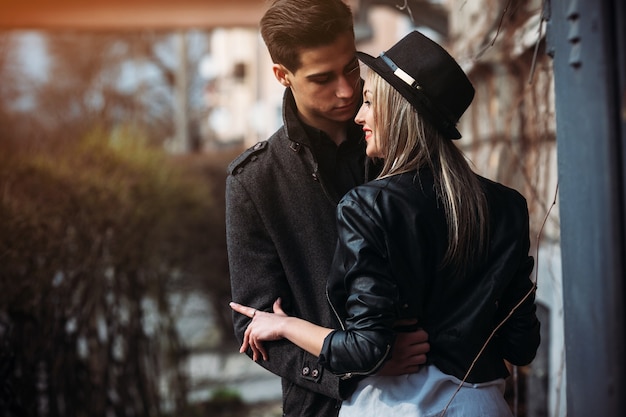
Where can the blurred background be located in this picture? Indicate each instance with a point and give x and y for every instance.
(117, 122)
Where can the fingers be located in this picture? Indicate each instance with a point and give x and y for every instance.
(252, 340)
(246, 341)
(413, 338)
(410, 369)
(252, 343)
(421, 359)
(413, 343)
(416, 361)
(245, 310)
(278, 307)
(405, 322)
(395, 367)
(244, 346)
(258, 350)
(409, 353)
(251, 311)
(255, 352)
(419, 336)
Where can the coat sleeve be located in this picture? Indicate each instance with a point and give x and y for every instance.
(257, 279)
(361, 263)
(519, 337)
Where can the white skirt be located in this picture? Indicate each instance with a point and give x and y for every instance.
(425, 394)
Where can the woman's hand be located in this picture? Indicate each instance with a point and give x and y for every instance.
(264, 326)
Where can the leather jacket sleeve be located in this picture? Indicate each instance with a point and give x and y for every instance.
(361, 264)
(519, 337)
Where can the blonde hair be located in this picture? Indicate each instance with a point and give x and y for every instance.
(410, 142)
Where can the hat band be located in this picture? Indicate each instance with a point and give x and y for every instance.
(399, 72)
(444, 121)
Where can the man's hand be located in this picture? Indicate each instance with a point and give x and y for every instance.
(408, 354)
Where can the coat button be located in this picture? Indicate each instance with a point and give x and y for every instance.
(315, 177)
(315, 373)
(306, 370)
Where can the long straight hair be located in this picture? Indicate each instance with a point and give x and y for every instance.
(410, 142)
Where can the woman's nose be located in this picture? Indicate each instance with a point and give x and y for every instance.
(358, 119)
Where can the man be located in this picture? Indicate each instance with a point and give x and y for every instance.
(282, 193)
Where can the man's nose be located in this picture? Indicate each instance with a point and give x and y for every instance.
(345, 87)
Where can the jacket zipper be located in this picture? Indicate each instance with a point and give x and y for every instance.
(349, 375)
(334, 311)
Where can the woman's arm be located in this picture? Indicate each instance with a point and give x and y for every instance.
(278, 325)
(519, 337)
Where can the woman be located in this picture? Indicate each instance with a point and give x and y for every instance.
(427, 240)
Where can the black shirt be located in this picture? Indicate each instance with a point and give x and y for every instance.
(337, 164)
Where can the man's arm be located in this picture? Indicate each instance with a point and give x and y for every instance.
(257, 280)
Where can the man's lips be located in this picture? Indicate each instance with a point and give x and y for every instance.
(349, 106)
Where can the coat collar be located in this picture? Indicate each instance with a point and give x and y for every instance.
(294, 128)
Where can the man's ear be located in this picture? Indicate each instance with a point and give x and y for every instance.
(281, 74)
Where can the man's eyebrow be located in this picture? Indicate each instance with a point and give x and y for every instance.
(351, 65)
(319, 74)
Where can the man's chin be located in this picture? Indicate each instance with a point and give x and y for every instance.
(345, 114)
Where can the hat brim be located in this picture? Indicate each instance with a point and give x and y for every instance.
(414, 96)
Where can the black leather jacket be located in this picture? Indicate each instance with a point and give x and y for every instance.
(392, 237)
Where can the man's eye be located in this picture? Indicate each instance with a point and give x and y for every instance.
(320, 80)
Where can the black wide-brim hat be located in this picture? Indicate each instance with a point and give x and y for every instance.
(428, 77)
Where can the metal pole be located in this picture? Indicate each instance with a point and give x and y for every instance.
(583, 39)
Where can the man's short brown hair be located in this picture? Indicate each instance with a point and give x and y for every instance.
(290, 25)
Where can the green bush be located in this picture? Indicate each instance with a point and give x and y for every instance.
(89, 233)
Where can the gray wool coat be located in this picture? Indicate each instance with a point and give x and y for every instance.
(281, 235)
